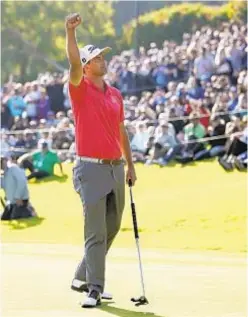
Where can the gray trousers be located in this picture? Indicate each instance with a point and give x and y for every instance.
(102, 190)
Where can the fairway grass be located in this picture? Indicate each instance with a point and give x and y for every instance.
(197, 207)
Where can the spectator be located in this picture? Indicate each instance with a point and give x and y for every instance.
(192, 132)
(5, 146)
(16, 104)
(237, 147)
(43, 105)
(15, 187)
(55, 93)
(6, 117)
(139, 142)
(30, 139)
(32, 99)
(164, 142)
(204, 65)
(40, 163)
(62, 140)
(216, 146)
(46, 137)
(233, 101)
(51, 121)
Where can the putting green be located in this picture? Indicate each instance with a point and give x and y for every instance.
(35, 282)
(198, 207)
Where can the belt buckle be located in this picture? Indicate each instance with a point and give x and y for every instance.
(101, 161)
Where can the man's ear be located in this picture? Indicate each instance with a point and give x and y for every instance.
(85, 68)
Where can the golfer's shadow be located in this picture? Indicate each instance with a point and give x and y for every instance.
(124, 312)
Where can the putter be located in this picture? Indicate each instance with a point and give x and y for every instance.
(142, 300)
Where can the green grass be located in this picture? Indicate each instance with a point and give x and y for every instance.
(198, 207)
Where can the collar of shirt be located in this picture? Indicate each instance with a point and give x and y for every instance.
(91, 84)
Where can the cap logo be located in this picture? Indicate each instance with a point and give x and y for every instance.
(92, 48)
(84, 60)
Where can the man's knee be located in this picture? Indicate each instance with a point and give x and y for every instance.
(95, 238)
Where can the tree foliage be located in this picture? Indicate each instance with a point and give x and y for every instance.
(33, 33)
(169, 23)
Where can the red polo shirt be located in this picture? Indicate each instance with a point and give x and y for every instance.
(97, 116)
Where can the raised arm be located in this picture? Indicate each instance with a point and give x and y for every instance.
(76, 70)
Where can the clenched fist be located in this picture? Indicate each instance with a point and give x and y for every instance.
(72, 21)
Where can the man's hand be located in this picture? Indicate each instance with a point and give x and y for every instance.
(131, 175)
(72, 21)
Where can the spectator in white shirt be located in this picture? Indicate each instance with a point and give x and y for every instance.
(31, 99)
(139, 141)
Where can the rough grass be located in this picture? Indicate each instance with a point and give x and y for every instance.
(198, 207)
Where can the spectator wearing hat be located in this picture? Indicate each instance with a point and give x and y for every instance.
(40, 163)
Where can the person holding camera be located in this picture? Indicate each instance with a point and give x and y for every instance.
(15, 186)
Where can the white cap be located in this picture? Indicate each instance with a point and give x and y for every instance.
(88, 52)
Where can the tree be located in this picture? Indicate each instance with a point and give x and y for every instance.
(33, 34)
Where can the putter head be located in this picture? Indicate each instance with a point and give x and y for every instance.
(140, 301)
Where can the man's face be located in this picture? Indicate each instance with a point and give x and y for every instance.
(97, 66)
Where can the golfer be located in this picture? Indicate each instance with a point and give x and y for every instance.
(98, 175)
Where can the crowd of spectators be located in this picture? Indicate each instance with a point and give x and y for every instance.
(182, 102)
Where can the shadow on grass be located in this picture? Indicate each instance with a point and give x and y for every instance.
(120, 312)
(21, 224)
(49, 179)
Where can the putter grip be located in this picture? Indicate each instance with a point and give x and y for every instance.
(135, 225)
